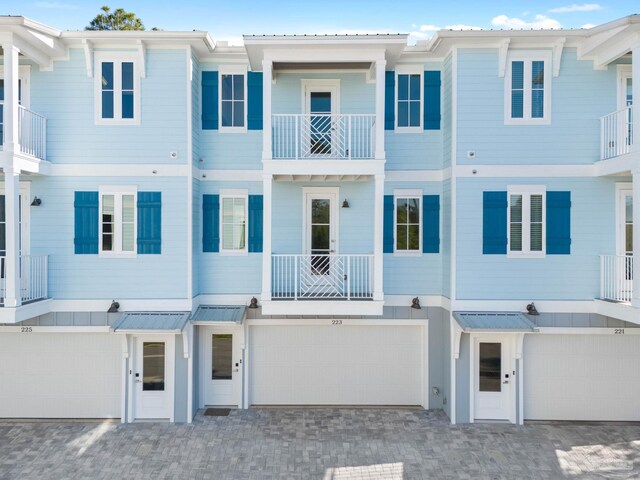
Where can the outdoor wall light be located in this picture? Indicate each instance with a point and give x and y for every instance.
(345, 204)
(415, 303)
(36, 202)
(435, 391)
(114, 307)
(253, 303)
(531, 309)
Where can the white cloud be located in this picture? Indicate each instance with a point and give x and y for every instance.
(574, 7)
(539, 21)
(55, 5)
(588, 25)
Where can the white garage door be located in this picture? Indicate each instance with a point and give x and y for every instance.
(582, 377)
(60, 375)
(336, 365)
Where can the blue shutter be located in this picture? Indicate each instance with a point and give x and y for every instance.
(558, 223)
(149, 223)
(209, 100)
(431, 224)
(255, 223)
(390, 100)
(254, 95)
(494, 223)
(211, 223)
(387, 244)
(432, 100)
(86, 222)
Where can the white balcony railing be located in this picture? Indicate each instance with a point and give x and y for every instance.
(616, 133)
(330, 277)
(616, 278)
(320, 136)
(33, 278)
(32, 133)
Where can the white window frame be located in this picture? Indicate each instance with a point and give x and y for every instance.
(526, 191)
(528, 57)
(117, 58)
(409, 70)
(401, 194)
(25, 221)
(234, 193)
(233, 70)
(118, 191)
(24, 75)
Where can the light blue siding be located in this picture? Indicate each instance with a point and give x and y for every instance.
(66, 97)
(580, 96)
(92, 277)
(554, 277)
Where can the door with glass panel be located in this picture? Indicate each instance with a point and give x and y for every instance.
(321, 268)
(3, 240)
(153, 385)
(492, 380)
(625, 243)
(625, 99)
(21, 94)
(320, 127)
(221, 357)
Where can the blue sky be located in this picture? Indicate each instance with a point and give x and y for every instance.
(228, 20)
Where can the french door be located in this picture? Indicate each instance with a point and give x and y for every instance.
(320, 135)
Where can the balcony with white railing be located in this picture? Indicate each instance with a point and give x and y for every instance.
(616, 278)
(33, 278)
(322, 277)
(616, 133)
(323, 136)
(32, 133)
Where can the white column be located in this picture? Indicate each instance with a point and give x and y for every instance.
(635, 87)
(10, 62)
(267, 75)
(378, 222)
(380, 81)
(12, 234)
(267, 187)
(635, 300)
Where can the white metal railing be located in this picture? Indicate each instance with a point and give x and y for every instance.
(300, 277)
(32, 133)
(616, 133)
(616, 277)
(34, 273)
(322, 136)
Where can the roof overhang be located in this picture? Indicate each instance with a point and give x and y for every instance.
(219, 315)
(494, 322)
(152, 322)
(324, 51)
(38, 42)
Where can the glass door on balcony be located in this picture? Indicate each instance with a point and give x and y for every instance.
(625, 241)
(319, 135)
(319, 271)
(625, 99)
(20, 95)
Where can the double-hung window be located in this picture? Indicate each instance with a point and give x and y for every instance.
(117, 89)
(409, 100)
(233, 227)
(233, 100)
(528, 89)
(408, 222)
(118, 217)
(526, 212)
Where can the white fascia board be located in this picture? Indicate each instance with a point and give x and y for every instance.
(25, 312)
(617, 165)
(323, 167)
(126, 305)
(322, 307)
(360, 322)
(619, 311)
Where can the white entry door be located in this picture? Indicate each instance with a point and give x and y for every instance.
(625, 243)
(493, 379)
(221, 357)
(321, 129)
(320, 269)
(153, 377)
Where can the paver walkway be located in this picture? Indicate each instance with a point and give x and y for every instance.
(323, 443)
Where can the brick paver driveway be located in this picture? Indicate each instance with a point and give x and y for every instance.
(318, 444)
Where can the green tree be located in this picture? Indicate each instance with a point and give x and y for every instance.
(119, 19)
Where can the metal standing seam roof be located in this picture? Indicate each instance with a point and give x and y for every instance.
(170, 321)
(494, 321)
(219, 313)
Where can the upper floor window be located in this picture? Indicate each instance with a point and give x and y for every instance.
(117, 220)
(526, 221)
(233, 227)
(233, 104)
(409, 100)
(528, 89)
(408, 222)
(117, 90)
